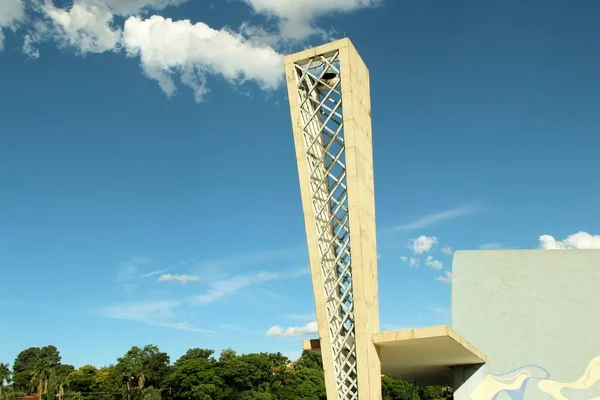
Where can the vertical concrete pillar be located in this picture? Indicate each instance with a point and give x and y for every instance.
(329, 95)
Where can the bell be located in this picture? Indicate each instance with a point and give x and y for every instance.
(329, 74)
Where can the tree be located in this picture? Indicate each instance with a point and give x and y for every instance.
(32, 368)
(310, 360)
(194, 376)
(398, 389)
(197, 353)
(151, 393)
(23, 369)
(5, 376)
(142, 367)
(84, 380)
(145, 373)
(246, 372)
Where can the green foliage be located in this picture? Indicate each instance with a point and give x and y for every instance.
(151, 393)
(398, 389)
(432, 393)
(32, 368)
(143, 367)
(194, 376)
(5, 375)
(145, 373)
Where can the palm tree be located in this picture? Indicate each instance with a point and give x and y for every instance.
(56, 385)
(5, 375)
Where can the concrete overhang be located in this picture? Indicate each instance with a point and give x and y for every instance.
(422, 355)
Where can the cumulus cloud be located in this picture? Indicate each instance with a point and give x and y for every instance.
(179, 278)
(579, 240)
(412, 261)
(86, 27)
(193, 51)
(447, 250)
(11, 12)
(296, 19)
(310, 328)
(446, 279)
(130, 7)
(423, 244)
(433, 263)
(177, 52)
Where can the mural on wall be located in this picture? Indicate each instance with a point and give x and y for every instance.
(515, 384)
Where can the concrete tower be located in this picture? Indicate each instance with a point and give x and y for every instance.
(328, 89)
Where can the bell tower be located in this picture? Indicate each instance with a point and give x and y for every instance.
(329, 96)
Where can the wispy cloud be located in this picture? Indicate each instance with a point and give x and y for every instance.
(220, 284)
(159, 313)
(164, 312)
(264, 259)
(227, 287)
(183, 279)
(157, 272)
(185, 326)
(185, 264)
(291, 331)
(432, 219)
(130, 268)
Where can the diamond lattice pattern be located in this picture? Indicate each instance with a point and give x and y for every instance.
(319, 89)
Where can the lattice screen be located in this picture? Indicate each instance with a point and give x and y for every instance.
(319, 89)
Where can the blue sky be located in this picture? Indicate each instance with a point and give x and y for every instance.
(149, 189)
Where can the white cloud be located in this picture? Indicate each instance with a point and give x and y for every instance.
(131, 267)
(423, 244)
(412, 261)
(446, 279)
(579, 240)
(186, 326)
(296, 19)
(130, 7)
(193, 51)
(431, 219)
(158, 313)
(447, 250)
(87, 27)
(11, 12)
(180, 278)
(155, 312)
(433, 263)
(163, 313)
(310, 328)
(227, 287)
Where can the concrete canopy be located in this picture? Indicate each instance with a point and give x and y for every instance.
(423, 355)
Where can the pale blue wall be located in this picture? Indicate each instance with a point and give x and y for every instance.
(536, 316)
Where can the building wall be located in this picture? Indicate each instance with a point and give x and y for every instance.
(535, 314)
